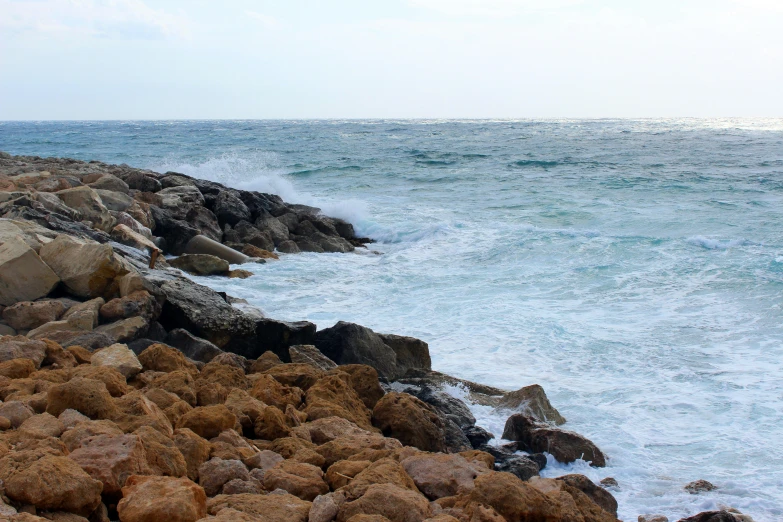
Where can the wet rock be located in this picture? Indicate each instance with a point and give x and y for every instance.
(200, 264)
(515, 500)
(477, 436)
(302, 480)
(716, 516)
(208, 421)
(176, 232)
(652, 518)
(55, 483)
(454, 439)
(194, 348)
(119, 357)
(27, 315)
(89, 205)
(609, 482)
(239, 274)
(411, 353)
(444, 403)
(24, 276)
(699, 486)
(273, 507)
(597, 494)
(111, 459)
(87, 269)
(532, 401)
(520, 466)
(409, 420)
(229, 208)
(278, 336)
(148, 499)
(393, 502)
(565, 446)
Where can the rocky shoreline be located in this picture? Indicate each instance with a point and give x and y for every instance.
(130, 392)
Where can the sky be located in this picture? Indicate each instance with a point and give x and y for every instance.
(259, 59)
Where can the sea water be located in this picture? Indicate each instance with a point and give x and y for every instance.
(633, 268)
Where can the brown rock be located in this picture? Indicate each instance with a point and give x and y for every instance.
(27, 315)
(216, 472)
(194, 449)
(383, 471)
(226, 375)
(273, 508)
(269, 391)
(17, 368)
(87, 396)
(246, 408)
(439, 475)
(254, 251)
(302, 480)
(125, 330)
(271, 424)
(266, 361)
(364, 379)
(565, 446)
(393, 502)
(532, 400)
(111, 459)
(596, 493)
(163, 358)
(89, 308)
(136, 303)
(340, 473)
(55, 483)
(699, 486)
(332, 396)
(238, 273)
(16, 412)
(515, 500)
(208, 421)
(410, 420)
(343, 448)
(368, 518)
(180, 383)
(299, 375)
(327, 429)
(154, 499)
(479, 458)
(163, 455)
(23, 275)
(41, 426)
(109, 376)
(309, 354)
(119, 357)
(86, 268)
(75, 436)
(57, 357)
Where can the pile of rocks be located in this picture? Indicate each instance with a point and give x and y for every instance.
(135, 394)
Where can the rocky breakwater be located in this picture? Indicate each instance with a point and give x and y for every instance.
(131, 393)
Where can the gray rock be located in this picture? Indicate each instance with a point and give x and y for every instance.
(200, 264)
(477, 436)
(116, 201)
(309, 354)
(193, 347)
(445, 403)
(411, 353)
(278, 336)
(565, 446)
(518, 465)
(229, 208)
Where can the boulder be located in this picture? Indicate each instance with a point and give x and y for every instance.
(87, 269)
(139, 303)
(84, 430)
(163, 456)
(27, 315)
(208, 421)
(393, 502)
(109, 182)
(270, 508)
(113, 379)
(111, 459)
(299, 479)
(86, 396)
(350, 445)
(331, 396)
(114, 201)
(200, 264)
(194, 348)
(410, 352)
(382, 471)
(216, 472)
(89, 205)
(179, 200)
(270, 391)
(309, 354)
(17, 368)
(16, 412)
(24, 276)
(411, 421)
(194, 449)
(341, 473)
(203, 312)
(229, 208)
(513, 499)
(438, 475)
(532, 401)
(149, 499)
(699, 486)
(477, 436)
(519, 466)
(91, 308)
(206, 223)
(20, 347)
(565, 446)
(715, 516)
(364, 380)
(596, 493)
(142, 182)
(55, 483)
(41, 426)
(119, 357)
(176, 232)
(450, 406)
(125, 330)
(136, 410)
(126, 235)
(163, 358)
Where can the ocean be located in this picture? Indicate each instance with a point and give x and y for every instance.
(633, 268)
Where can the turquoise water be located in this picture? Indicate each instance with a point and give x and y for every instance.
(632, 268)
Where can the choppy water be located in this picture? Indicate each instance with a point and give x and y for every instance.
(633, 268)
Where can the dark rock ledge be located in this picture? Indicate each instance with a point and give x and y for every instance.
(130, 392)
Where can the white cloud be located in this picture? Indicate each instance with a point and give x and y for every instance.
(129, 19)
(492, 8)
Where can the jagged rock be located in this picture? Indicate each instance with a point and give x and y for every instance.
(200, 264)
(409, 420)
(364, 380)
(278, 336)
(195, 449)
(653, 518)
(194, 348)
(139, 303)
(142, 182)
(565, 446)
(520, 466)
(24, 276)
(477, 436)
(229, 208)
(55, 483)
(87, 269)
(74, 437)
(515, 500)
(208, 421)
(119, 357)
(163, 358)
(411, 353)
(444, 403)
(180, 199)
(438, 475)
(111, 459)
(205, 222)
(382, 471)
(147, 499)
(27, 315)
(86, 396)
(597, 494)
(110, 377)
(302, 480)
(393, 502)
(273, 507)
(216, 472)
(288, 247)
(114, 201)
(454, 439)
(309, 354)
(17, 368)
(332, 396)
(203, 312)
(176, 232)
(125, 330)
(125, 235)
(89, 204)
